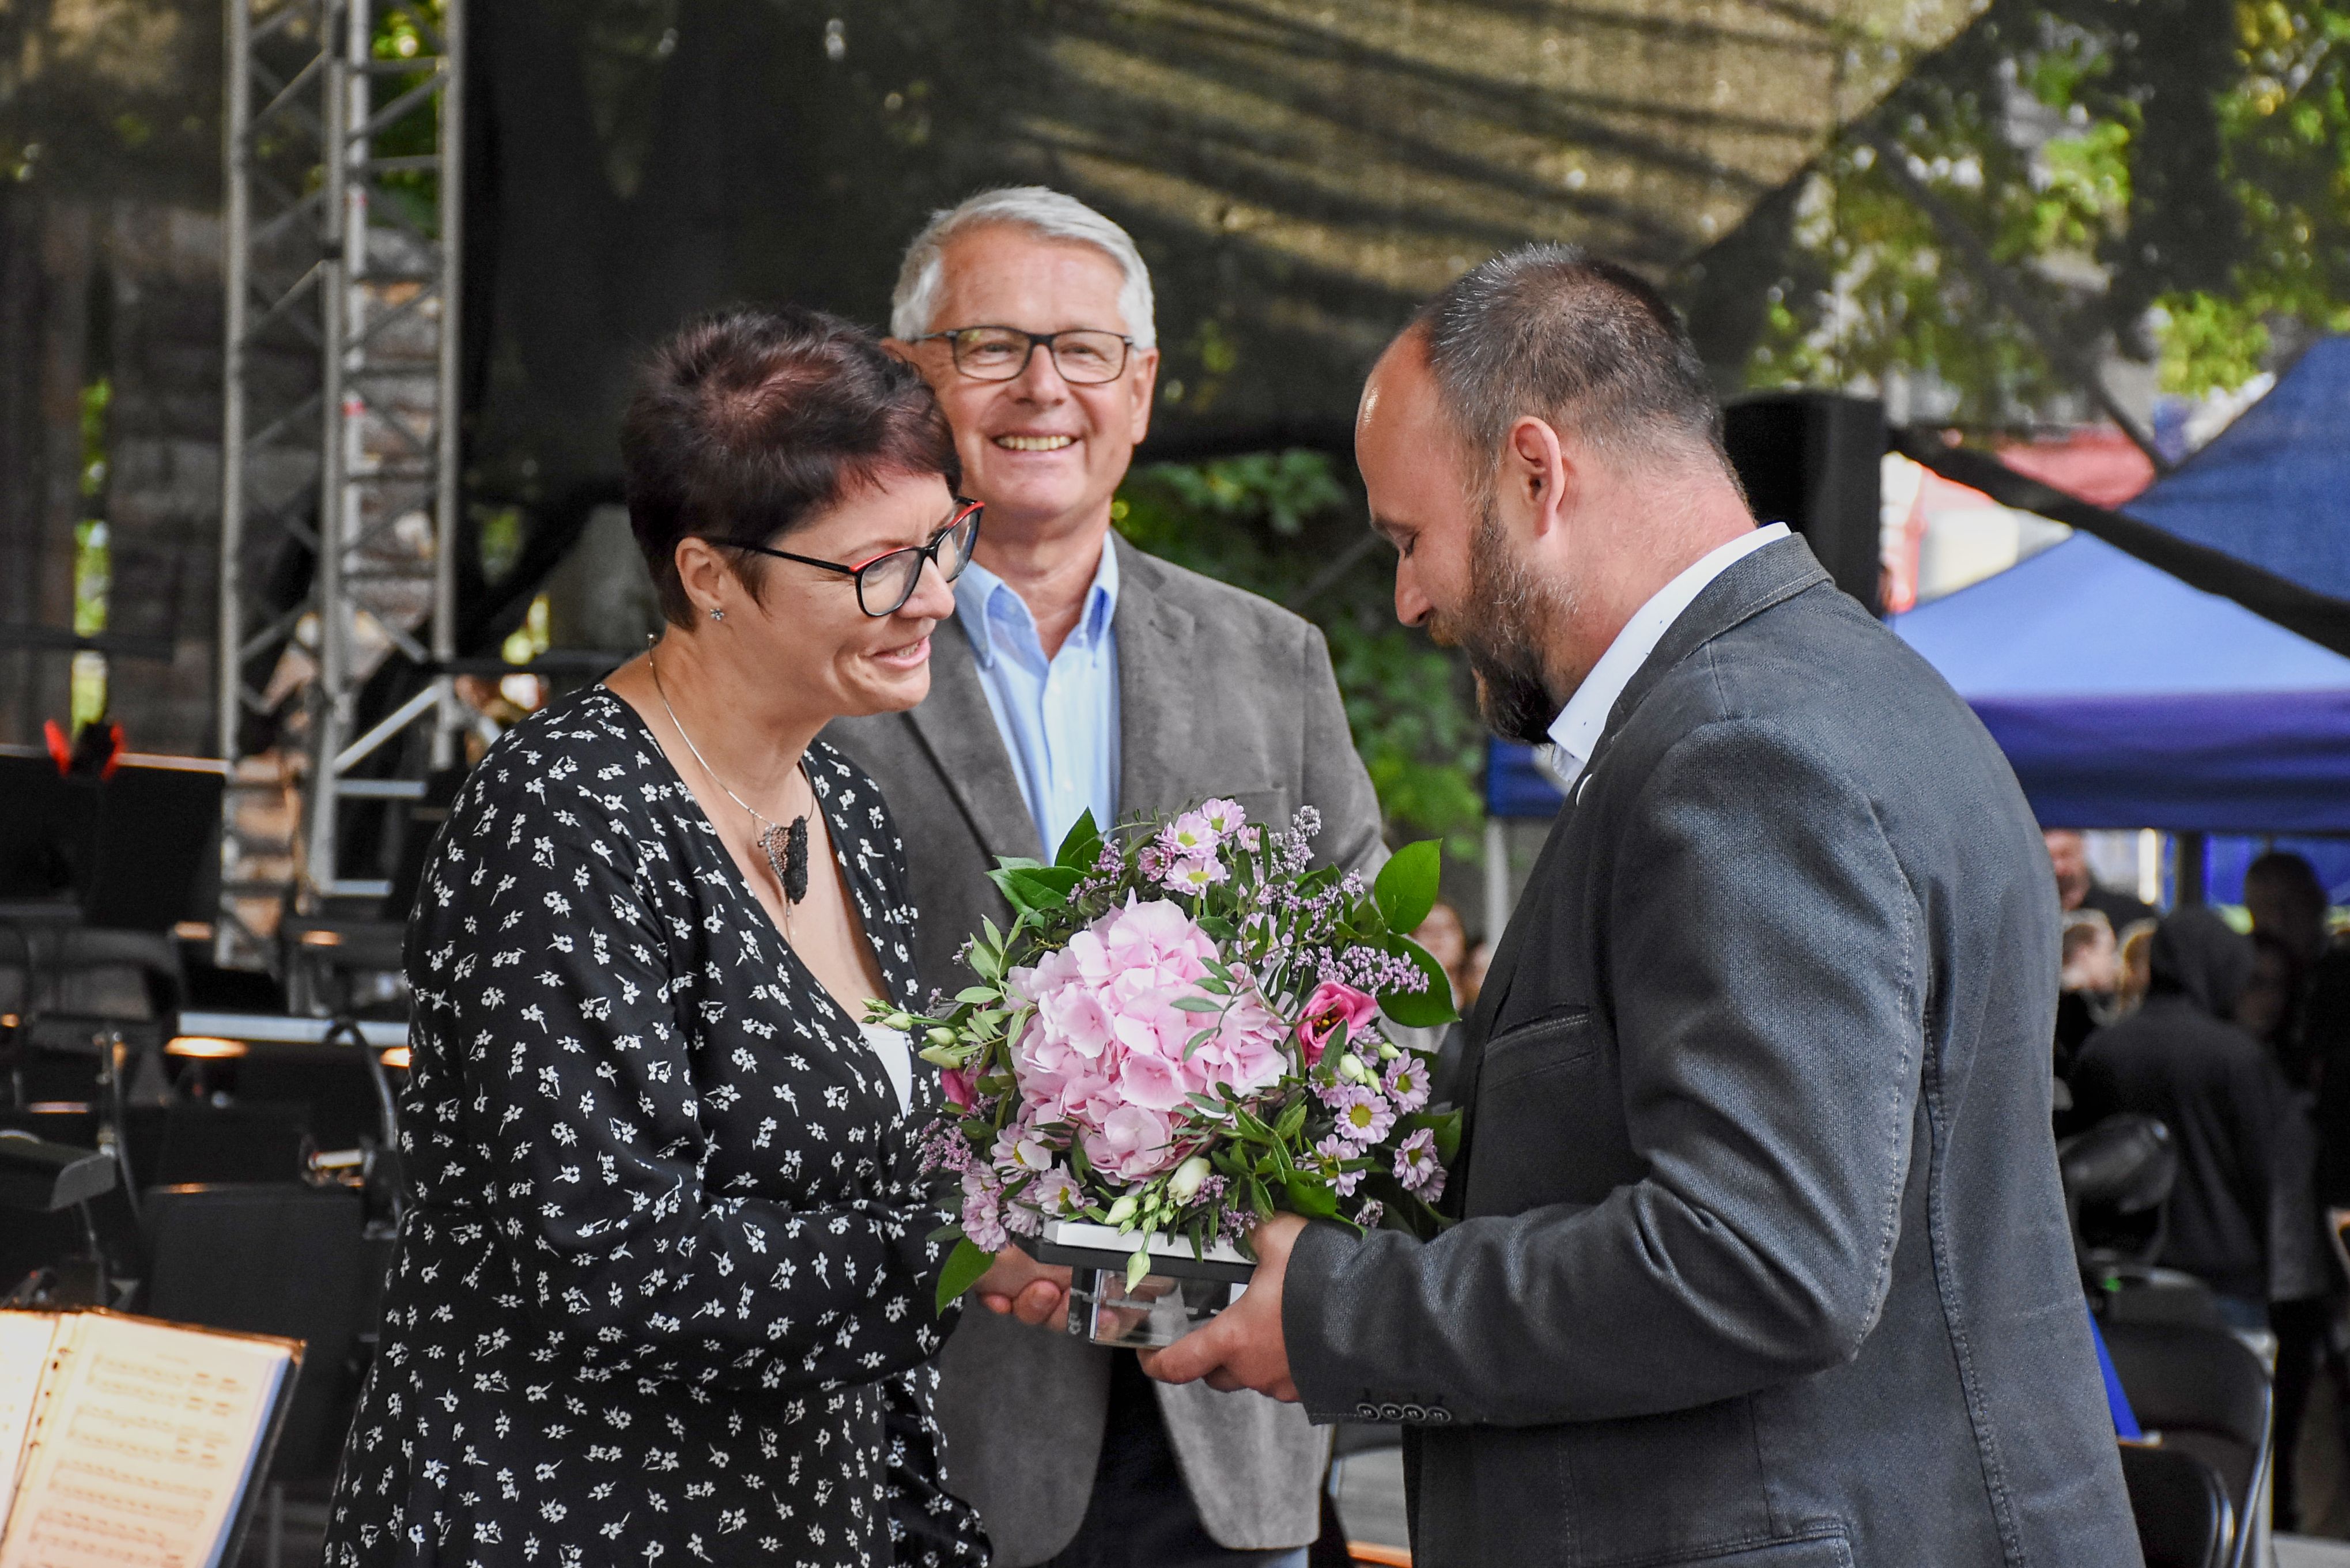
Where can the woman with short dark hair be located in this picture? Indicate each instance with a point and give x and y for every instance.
(664, 1284)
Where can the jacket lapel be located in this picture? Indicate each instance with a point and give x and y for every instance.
(958, 729)
(1776, 572)
(1160, 737)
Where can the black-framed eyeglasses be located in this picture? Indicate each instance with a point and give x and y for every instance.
(886, 582)
(1085, 356)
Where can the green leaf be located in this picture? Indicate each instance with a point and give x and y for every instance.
(1407, 885)
(1016, 862)
(1029, 890)
(964, 1265)
(1312, 1197)
(1419, 1009)
(1198, 1004)
(1291, 1120)
(977, 995)
(1081, 846)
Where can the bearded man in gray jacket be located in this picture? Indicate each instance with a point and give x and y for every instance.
(1761, 1261)
(1080, 674)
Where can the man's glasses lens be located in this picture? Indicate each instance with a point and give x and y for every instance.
(1000, 353)
(884, 585)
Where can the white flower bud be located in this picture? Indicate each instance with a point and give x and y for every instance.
(1122, 1210)
(1184, 1185)
(1389, 1051)
(1351, 1066)
(942, 1036)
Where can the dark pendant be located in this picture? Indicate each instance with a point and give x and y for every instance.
(790, 861)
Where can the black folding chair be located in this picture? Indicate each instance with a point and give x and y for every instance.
(270, 1258)
(2210, 1398)
(2180, 1503)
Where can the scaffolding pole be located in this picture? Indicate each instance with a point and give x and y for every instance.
(344, 239)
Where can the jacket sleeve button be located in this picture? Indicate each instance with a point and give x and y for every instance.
(1366, 1411)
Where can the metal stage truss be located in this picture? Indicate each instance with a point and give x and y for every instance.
(340, 465)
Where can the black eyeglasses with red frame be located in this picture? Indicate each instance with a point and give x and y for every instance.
(886, 582)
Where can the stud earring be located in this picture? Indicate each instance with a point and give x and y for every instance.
(718, 615)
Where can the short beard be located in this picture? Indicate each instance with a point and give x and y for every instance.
(1505, 643)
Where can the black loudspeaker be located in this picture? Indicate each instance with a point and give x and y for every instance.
(1811, 459)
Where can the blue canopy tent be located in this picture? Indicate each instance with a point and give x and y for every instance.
(2272, 490)
(2126, 699)
(2123, 696)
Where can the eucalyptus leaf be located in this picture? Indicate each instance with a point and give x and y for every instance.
(1198, 1004)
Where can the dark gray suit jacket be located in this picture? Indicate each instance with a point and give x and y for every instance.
(1765, 1260)
(1220, 693)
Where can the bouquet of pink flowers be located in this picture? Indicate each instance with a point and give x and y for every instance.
(1182, 1033)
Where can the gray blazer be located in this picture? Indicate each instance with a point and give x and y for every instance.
(1765, 1260)
(1220, 693)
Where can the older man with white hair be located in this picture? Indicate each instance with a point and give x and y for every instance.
(1080, 674)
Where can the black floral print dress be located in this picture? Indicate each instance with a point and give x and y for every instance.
(663, 1291)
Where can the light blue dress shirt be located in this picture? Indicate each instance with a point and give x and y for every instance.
(1058, 717)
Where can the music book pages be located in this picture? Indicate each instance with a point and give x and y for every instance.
(143, 1440)
(24, 1339)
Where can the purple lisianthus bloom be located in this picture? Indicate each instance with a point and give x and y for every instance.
(1337, 1150)
(1418, 1167)
(1408, 1083)
(1364, 1114)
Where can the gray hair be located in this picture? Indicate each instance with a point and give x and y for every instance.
(1043, 211)
(1552, 331)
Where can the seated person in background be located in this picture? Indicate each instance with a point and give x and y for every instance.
(2090, 963)
(2242, 1219)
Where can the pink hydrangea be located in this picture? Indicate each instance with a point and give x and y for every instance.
(1332, 1006)
(1109, 1053)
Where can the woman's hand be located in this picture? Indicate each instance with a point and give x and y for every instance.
(1035, 1292)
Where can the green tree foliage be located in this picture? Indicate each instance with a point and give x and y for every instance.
(1283, 524)
(2172, 176)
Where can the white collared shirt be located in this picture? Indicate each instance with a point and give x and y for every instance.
(1575, 732)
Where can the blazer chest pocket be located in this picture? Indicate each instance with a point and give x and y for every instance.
(1540, 1045)
(1547, 1127)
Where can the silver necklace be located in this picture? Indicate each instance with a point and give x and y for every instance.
(784, 846)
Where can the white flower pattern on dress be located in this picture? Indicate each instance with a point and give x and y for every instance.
(664, 1288)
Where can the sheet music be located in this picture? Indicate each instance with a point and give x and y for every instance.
(24, 1356)
(144, 1446)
